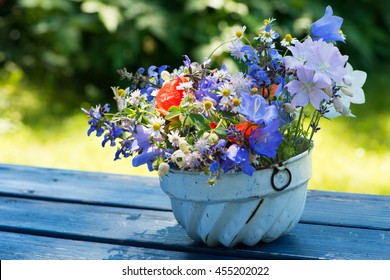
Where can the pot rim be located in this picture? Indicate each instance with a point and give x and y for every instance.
(233, 172)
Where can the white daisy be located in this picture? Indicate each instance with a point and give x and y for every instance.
(226, 91)
(174, 138)
(239, 32)
(156, 127)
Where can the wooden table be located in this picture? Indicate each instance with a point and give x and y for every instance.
(62, 214)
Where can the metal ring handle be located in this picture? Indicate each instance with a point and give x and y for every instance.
(276, 171)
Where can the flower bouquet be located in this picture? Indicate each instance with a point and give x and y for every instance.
(213, 122)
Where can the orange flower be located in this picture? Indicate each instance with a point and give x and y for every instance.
(267, 94)
(169, 95)
(246, 128)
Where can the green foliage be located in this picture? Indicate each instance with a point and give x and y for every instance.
(57, 54)
(79, 44)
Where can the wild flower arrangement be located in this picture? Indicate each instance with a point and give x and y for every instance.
(214, 120)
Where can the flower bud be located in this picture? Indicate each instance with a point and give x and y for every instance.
(338, 105)
(183, 146)
(347, 112)
(211, 182)
(329, 91)
(163, 169)
(343, 110)
(346, 91)
(289, 108)
(213, 139)
(347, 80)
(165, 75)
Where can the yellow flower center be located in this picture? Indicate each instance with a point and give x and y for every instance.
(208, 105)
(254, 90)
(121, 92)
(268, 34)
(266, 22)
(238, 33)
(226, 92)
(288, 38)
(211, 182)
(236, 102)
(156, 126)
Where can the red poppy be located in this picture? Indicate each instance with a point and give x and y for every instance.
(169, 95)
(246, 128)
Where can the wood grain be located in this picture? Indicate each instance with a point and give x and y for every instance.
(63, 214)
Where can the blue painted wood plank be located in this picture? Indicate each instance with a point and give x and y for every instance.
(17, 246)
(159, 230)
(79, 186)
(328, 208)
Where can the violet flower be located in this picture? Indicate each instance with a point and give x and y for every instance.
(257, 110)
(265, 141)
(238, 156)
(328, 27)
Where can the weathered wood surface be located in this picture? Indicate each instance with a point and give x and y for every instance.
(63, 214)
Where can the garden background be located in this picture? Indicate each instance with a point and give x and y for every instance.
(57, 56)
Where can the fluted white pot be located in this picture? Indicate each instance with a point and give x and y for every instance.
(240, 208)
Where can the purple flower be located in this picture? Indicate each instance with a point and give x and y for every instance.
(265, 141)
(328, 27)
(125, 150)
(214, 166)
(155, 72)
(187, 62)
(236, 50)
(256, 109)
(141, 138)
(147, 156)
(113, 133)
(299, 54)
(250, 53)
(141, 70)
(237, 156)
(305, 89)
(97, 119)
(206, 87)
(327, 62)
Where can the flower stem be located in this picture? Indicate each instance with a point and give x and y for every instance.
(295, 138)
(314, 125)
(224, 43)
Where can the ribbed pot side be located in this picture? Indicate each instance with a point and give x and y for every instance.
(240, 208)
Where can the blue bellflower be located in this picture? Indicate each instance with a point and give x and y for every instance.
(257, 110)
(141, 138)
(265, 141)
(147, 156)
(327, 27)
(113, 133)
(237, 156)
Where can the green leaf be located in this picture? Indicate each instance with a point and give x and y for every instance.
(201, 122)
(200, 133)
(221, 132)
(174, 111)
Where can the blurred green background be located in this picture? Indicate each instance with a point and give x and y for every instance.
(57, 56)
